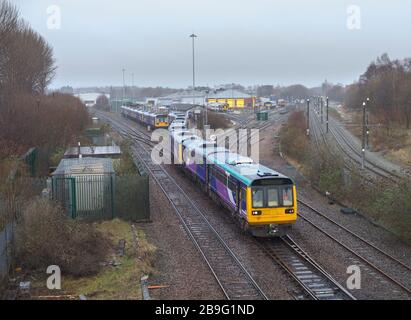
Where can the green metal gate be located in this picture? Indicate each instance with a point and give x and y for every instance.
(103, 196)
(86, 196)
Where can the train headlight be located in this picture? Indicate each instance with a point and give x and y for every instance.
(256, 212)
(289, 211)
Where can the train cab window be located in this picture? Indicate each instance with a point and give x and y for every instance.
(287, 194)
(258, 198)
(161, 119)
(272, 197)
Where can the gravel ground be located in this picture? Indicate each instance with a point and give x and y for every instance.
(329, 254)
(178, 263)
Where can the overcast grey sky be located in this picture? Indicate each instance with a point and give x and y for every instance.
(247, 42)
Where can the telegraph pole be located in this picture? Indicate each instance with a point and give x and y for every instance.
(363, 136)
(326, 121)
(308, 117)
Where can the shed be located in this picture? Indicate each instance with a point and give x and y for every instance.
(84, 186)
(94, 151)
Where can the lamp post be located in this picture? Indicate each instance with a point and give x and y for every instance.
(205, 108)
(321, 106)
(326, 121)
(193, 36)
(308, 117)
(367, 126)
(124, 85)
(363, 136)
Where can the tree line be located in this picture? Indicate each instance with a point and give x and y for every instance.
(29, 117)
(387, 84)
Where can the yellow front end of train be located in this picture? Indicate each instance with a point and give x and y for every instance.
(161, 121)
(271, 210)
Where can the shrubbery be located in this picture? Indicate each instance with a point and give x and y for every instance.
(386, 203)
(45, 236)
(293, 139)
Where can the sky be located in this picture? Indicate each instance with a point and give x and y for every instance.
(249, 42)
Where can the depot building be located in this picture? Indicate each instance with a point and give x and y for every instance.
(233, 98)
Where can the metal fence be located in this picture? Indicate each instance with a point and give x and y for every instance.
(5, 242)
(86, 196)
(132, 197)
(31, 160)
(103, 196)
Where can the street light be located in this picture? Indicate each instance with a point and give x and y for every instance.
(367, 126)
(193, 36)
(327, 106)
(363, 136)
(308, 117)
(205, 108)
(124, 85)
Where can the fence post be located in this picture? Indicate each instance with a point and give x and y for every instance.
(74, 198)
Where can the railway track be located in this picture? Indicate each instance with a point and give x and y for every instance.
(350, 150)
(385, 264)
(352, 154)
(315, 282)
(231, 275)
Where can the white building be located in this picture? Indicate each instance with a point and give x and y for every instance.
(90, 99)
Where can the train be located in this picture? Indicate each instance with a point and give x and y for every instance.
(154, 120)
(264, 201)
(173, 116)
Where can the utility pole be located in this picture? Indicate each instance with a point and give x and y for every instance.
(308, 117)
(367, 127)
(124, 85)
(193, 36)
(205, 108)
(132, 84)
(363, 136)
(321, 105)
(326, 121)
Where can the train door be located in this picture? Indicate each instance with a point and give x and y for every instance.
(207, 169)
(242, 207)
(238, 199)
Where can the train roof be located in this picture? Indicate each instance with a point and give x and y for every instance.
(183, 135)
(241, 167)
(144, 112)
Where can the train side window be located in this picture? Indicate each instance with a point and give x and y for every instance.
(258, 198)
(272, 197)
(287, 194)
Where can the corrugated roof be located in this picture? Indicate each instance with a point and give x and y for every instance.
(228, 94)
(94, 151)
(77, 166)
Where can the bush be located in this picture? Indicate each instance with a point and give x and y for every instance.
(293, 139)
(125, 165)
(45, 236)
(391, 206)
